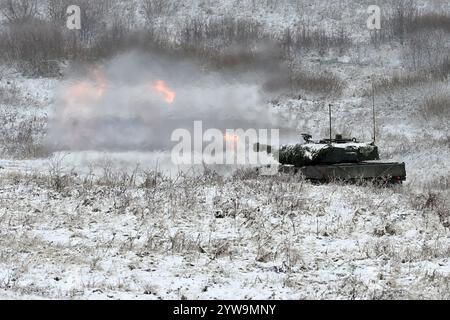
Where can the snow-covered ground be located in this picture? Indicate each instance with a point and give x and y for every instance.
(130, 224)
(212, 237)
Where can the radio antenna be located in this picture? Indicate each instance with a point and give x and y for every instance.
(373, 113)
(329, 109)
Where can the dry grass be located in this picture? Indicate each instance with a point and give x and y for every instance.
(398, 81)
(158, 8)
(307, 39)
(34, 48)
(281, 227)
(22, 138)
(326, 83)
(10, 94)
(435, 20)
(437, 107)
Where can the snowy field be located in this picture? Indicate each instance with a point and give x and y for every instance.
(81, 222)
(148, 236)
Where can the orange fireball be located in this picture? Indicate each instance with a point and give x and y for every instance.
(161, 87)
(231, 137)
(87, 91)
(100, 84)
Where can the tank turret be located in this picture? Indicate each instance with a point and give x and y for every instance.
(336, 159)
(327, 151)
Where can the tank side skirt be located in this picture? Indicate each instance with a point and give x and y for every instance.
(355, 171)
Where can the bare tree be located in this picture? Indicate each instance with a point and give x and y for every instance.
(19, 11)
(93, 15)
(34, 48)
(57, 9)
(404, 14)
(2, 72)
(155, 8)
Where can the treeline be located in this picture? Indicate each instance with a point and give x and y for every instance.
(424, 37)
(36, 40)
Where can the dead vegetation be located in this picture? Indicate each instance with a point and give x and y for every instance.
(122, 230)
(19, 11)
(398, 81)
(22, 138)
(41, 44)
(304, 38)
(323, 83)
(437, 107)
(286, 231)
(10, 94)
(158, 8)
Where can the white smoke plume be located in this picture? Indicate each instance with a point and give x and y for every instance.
(116, 105)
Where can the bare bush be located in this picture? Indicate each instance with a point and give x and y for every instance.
(442, 71)
(227, 60)
(156, 8)
(10, 94)
(431, 21)
(403, 17)
(93, 21)
(320, 83)
(227, 43)
(57, 9)
(305, 38)
(435, 203)
(19, 11)
(22, 138)
(437, 107)
(405, 20)
(93, 14)
(246, 174)
(58, 179)
(36, 47)
(443, 212)
(220, 32)
(424, 36)
(112, 41)
(183, 243)
(399, 80)
(427, 51)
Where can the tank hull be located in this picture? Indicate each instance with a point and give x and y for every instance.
(367, 170)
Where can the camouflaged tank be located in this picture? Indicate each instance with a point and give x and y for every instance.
(338, 159)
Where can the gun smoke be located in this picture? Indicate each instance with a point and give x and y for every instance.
(135, 101)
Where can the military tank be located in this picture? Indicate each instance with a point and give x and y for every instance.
(338, 159)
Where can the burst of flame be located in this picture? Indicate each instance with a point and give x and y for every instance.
(100, 84)
(80, 93)
(87, 91)
(161, 87)
(231, 137)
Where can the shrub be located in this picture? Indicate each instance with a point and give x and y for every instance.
(10, 94)
(57, 10)
(306, 38)
(157, 8)
(220, 32)
(19, 11)
(22, 138)
(321, 83)
(36, 47)
(430, 21)
(397, 81)
(437, 106)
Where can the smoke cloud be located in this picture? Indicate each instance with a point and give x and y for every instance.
(135, 101)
